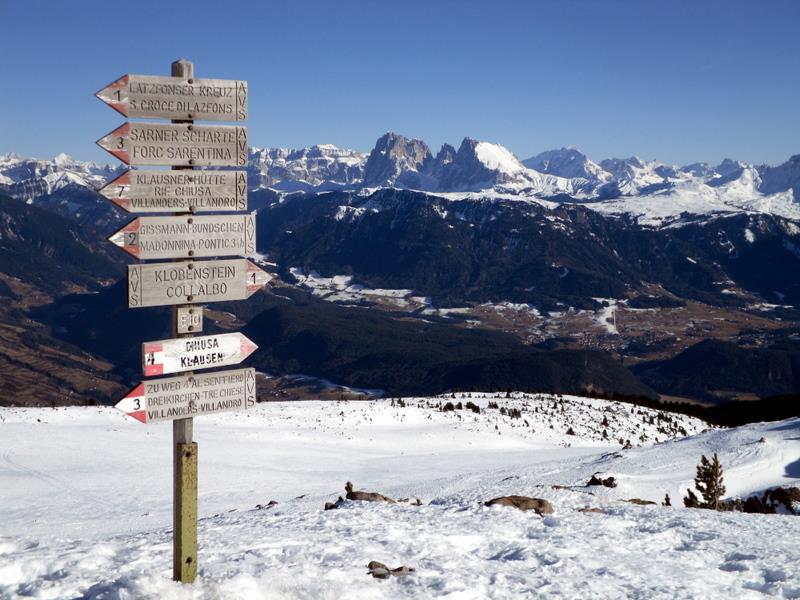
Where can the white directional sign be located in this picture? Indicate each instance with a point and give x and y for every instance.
(178, 145)
(188, 282)
(177, 98)
(187, 236)
(189, 354)
(188, 396)
(178, 191)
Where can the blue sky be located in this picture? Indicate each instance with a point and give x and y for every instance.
(678, 81)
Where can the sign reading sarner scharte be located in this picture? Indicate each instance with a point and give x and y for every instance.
(189, 396)
(178, 145)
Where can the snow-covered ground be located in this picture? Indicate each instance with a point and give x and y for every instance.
(85, 503)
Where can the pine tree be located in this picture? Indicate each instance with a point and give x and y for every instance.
(691, 500)
(709, 481)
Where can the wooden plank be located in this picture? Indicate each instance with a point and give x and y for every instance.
(188, 282)
(179, 98)
(178, 144)
(184, 552)
(189, 236)
(185, 396)
(186, 354)
(188, 319)
(140, 191)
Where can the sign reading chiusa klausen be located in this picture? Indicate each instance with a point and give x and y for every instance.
(178, 191)
(187, 236)
(188, 282)
(178, 98)
(177, 144)
(188, 396)
(192, 353)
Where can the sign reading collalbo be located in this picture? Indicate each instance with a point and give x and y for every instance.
(188, 282)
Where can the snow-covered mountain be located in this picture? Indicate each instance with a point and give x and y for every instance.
(654, 193)
(318, 168)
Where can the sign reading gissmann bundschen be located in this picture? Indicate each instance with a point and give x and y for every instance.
(187, 236)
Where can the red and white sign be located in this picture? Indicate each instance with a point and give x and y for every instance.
(191, 354)
(188, 396)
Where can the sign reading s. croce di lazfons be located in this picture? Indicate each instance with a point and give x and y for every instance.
(177, 98)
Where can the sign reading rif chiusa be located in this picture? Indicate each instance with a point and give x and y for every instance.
(177, 98)
(178, 191)
(178, 145)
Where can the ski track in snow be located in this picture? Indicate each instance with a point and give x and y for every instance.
(85, 502)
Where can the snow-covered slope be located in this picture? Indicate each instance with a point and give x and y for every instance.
(85, 503)
(321, 167)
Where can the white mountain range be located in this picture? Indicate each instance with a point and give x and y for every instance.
(653, 193)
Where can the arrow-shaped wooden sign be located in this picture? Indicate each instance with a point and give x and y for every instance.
(188, 282)
(141, 191)
(189, 236)
(187, 396)
(177, 144)
(177, 98)
(191, 354)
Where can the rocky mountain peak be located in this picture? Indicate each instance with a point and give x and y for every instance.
(397, 160)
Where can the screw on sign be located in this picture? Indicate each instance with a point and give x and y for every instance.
(184, 191)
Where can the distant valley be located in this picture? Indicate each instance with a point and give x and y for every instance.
(406, 272)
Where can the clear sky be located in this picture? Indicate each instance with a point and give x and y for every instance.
(678, 81)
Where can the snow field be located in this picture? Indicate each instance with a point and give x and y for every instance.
(85, 502)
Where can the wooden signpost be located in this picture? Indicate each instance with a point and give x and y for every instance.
(183, 284)
(188, 354)
(187, 236)
(178, 191)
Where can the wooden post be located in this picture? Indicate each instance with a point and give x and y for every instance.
(184, 493)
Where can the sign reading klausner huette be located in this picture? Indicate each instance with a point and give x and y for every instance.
(146, 191)
(183, 284)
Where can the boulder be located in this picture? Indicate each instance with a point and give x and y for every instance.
(609, 482)
(783, 499)
(365, 496)
(538, 505)
(333, 505)
(380, 571)
(640, 502)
